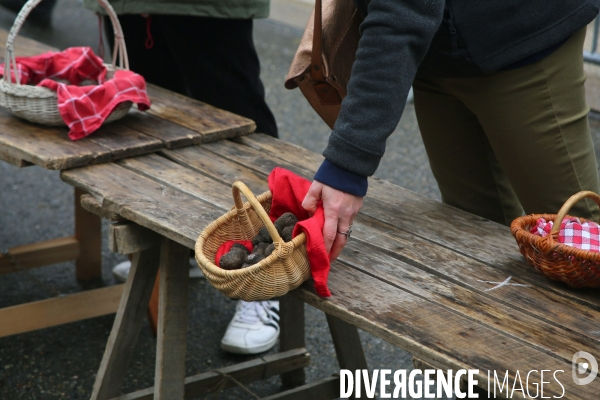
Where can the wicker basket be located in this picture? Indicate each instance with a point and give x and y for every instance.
(575, 267)
(39, 104)
(285, 269)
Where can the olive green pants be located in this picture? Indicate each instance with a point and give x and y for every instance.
(513, 141)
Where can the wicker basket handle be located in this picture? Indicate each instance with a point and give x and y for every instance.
(9, 58)
(238, 187)
(567, 206)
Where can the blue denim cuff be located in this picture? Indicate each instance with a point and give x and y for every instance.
(342, 179)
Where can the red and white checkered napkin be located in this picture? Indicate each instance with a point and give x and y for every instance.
(83, 108)
(585, 236)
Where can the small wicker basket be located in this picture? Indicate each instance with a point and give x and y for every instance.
(39, 104)
(285, 269)
(575, 267)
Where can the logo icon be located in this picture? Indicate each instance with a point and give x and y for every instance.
(579, 367)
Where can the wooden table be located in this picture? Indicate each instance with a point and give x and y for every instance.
(447, 286)
(172, 121)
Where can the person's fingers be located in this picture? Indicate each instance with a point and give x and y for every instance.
(312, 197)
(330, 228)
(338, 245)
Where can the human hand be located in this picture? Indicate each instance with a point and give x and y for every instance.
(340, 209)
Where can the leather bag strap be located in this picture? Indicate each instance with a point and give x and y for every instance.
(316, 69)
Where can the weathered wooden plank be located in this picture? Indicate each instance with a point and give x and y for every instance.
(46, 146)
(128, 324)
(88, 232)
(51, 148)
(171, 134)
(431, 332)
(128, 238)
(211, 122)
(291, 335)
(145, 202)
(59, 310)
(17, 162)
(552, 332)
(94, 206)
(348, 347)
(400, 247)
(122, 141)
(39, 254)
(465, 233)
(180, 178)
(323, 389)
(347, 344)
(169, 376)
(201, 160)
(261, 368)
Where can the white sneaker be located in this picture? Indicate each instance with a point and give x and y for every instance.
(121, 270)
(254, 327)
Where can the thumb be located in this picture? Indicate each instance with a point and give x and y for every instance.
(312, 197)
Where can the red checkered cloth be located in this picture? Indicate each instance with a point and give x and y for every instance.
(585, 236)
(83, 108)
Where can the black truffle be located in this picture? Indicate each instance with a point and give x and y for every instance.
(286, 234)
(269, 249)
(241, 247)
(233, 259)
(286, 219)
(262, 237)
(254, 258)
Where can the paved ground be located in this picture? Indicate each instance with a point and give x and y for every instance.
(60, 363)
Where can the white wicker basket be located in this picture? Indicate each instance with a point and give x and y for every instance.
(39, 104)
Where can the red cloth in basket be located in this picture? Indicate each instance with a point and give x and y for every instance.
(573, 232)
(288, 191)
(83, 108)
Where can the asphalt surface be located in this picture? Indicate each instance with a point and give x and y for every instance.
(35, 205)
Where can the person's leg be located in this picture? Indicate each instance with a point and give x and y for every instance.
(535, 118)
(156, 63)
(467, 172)
(220, 65)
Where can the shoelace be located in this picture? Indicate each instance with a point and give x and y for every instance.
(251, 312)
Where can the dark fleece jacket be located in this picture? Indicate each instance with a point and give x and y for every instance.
(396, 36)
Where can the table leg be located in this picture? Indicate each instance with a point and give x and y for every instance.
(128, 324)
(88, 232)
(291, 336)
(348, 347)
(172, 321)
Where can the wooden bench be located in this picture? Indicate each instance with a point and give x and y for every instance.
(447, 286)
(173, 121)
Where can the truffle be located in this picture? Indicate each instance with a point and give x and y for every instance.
(269, 249)
(262, 237)
(241, 247)
(286, 219)
(233, 259)
(286, 233)
(254, 258)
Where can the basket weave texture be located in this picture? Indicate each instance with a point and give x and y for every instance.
(576, 267)
(285, 269)
(39, 104)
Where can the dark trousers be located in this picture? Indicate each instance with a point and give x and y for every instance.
(209, 59)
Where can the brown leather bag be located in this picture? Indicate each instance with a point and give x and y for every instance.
(322, 64)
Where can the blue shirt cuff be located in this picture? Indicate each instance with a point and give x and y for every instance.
(342, 179)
